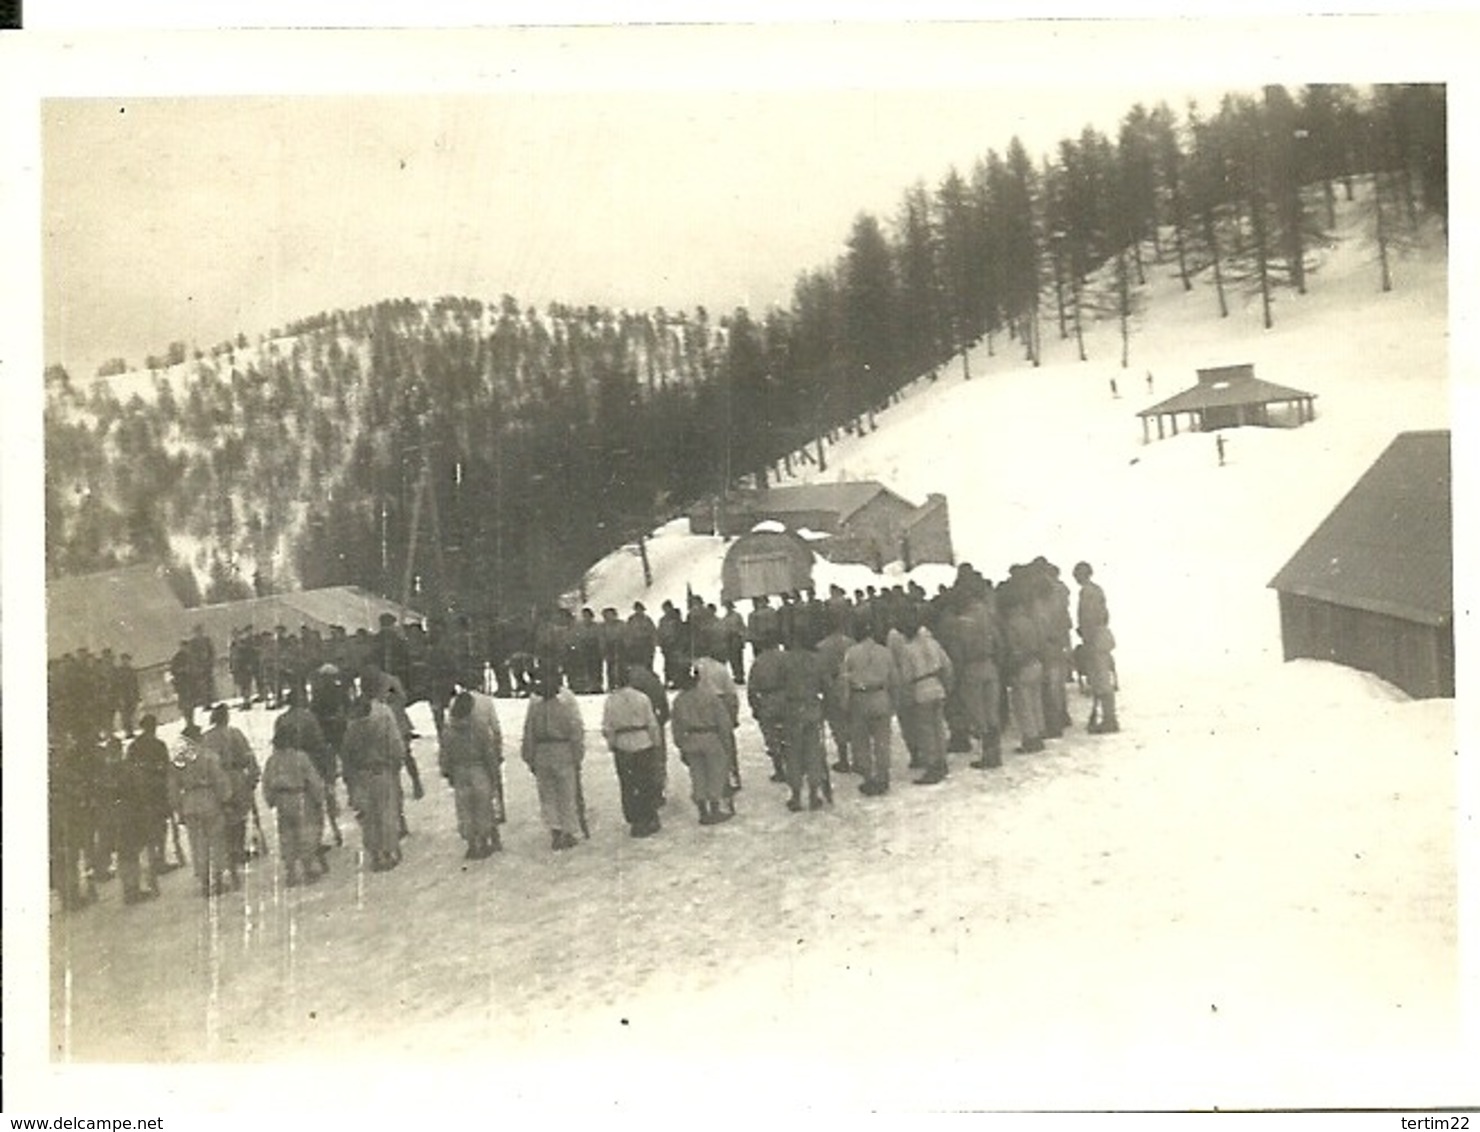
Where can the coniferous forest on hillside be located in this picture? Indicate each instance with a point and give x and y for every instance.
(473, 454)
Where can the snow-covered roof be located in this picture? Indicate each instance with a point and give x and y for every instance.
(1388, 546)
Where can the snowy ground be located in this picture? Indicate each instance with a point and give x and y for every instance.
(1248, 897)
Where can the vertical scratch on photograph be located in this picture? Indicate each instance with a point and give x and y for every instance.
(67, 1012)
(213, 959)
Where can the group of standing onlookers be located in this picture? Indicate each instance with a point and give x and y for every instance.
(953, 670)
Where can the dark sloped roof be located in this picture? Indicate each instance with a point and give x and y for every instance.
(132, 610)
(1246, 390)
(843, 498)
(1388, 547)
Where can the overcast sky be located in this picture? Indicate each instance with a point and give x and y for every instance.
(602, 171)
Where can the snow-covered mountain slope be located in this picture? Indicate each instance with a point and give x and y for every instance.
(1248, 897)
(1047, 461)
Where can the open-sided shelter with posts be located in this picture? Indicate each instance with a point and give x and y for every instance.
(1228, 397)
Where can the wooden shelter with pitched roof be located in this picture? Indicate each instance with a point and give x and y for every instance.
(864, 522)
(131, 611)
(1373, 586)
(1227, 397)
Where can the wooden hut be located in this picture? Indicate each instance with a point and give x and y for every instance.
(131, 610)
(1227, 397)
(1373, 587)
(766, 561)
(868, 524)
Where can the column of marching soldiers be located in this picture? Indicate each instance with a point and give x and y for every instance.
(950, 671)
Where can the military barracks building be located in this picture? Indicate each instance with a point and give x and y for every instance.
(1373, 586)
(133, 610)
(863, 521)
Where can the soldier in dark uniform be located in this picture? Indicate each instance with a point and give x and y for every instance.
(149, 765)
(763, 628)
(612, 633)
(136, 823)
(701, 631)
(641, 636)
(522, 634)
(274, 667)
(467, 655)
(70, 825)
(830, 651)
(733, 627)
(359, 655)
(498, 648)
(105, 770)
(418, 679)
(786, 620)
(550, 639)
(805, 688)
(243, 663)
(585, 654)
(951, 631)
(390, 654)
(107, 691)
(203, 663)
(180, 680)
(670, 630)
(442, 670)
(291, 660)
(337, 650)
(766, 692)
(127, 693)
